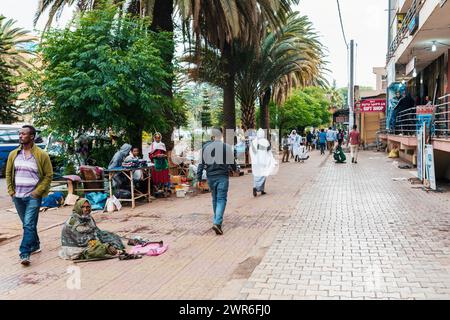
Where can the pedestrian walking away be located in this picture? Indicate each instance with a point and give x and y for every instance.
(285, 143)
(331, 139)
(309, 140)
(29, 174)
(354, 141)
(263, 162)
(218, 159)
(322, 141)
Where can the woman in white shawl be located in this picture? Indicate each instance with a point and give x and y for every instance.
(296, 140)
(263, 162)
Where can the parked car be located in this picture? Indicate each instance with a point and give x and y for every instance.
(9, 140)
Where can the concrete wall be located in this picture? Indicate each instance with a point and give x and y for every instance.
(442, 164)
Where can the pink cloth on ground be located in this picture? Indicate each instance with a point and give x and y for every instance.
(149, 250)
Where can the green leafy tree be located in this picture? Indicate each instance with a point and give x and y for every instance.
(105, 75)
(307, 107)
(206, 111)
(8, 95)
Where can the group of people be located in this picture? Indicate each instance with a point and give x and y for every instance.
(157, 155)
(29, 174)
(297, 147)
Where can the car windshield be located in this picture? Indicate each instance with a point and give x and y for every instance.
(9, 136)
(12, 136)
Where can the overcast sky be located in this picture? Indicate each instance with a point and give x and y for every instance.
(365, 21)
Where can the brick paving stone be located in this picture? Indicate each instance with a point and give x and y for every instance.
(377, 237)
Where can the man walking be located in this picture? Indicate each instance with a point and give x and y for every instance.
(285, 143)
(354, 141)
(331, 139)
(29, 173)
(322, 141)
(218, 159)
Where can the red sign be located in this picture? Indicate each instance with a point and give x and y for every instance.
(374, 105)
(428, 109)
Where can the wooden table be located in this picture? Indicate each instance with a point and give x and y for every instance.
(128, 172)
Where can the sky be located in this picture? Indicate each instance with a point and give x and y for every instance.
(365, 21)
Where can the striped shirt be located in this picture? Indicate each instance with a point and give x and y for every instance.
(26, 175)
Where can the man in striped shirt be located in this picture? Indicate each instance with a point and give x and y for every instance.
(29, 173)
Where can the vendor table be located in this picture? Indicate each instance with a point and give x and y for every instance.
(128, 172)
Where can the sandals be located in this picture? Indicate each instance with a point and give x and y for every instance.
(127, 256)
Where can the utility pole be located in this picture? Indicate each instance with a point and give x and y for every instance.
(351, 91)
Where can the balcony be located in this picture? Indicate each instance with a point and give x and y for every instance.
(406, 127)
(403, 32)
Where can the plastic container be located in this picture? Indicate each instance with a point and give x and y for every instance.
(181, 193)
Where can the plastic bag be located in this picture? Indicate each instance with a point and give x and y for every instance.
(97, 200)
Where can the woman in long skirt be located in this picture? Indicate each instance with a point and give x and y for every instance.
(160, 171)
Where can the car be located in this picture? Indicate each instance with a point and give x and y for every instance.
(9, 140)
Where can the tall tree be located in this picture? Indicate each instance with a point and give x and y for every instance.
(14, 59)
(104, 74)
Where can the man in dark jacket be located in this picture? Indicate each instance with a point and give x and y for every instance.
(218, 159)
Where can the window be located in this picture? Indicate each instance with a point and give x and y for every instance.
(9, 136)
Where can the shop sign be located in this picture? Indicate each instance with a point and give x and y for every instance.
(341, 119)
(372, 105)
(410, 66)
(428, 109)
(429, 167)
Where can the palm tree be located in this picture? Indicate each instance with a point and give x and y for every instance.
(285, 59)
(219, 23)
(14, 59)
(13, 52)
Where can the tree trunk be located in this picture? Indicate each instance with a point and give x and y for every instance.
(135, 134)
(264, 112)
(248, 115)
(162, 21)
(229, 105)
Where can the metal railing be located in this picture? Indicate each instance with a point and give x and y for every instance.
(442, 118)
(406, 122)
(404, 29)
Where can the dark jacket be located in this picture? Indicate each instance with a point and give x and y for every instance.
(217, 158)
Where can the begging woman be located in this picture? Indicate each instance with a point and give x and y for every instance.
(81, 239)
(160, 171)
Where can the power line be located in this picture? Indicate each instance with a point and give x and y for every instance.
(342, 25)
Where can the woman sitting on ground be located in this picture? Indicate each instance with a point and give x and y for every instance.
(81, 239)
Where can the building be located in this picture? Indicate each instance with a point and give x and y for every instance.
(418, 73)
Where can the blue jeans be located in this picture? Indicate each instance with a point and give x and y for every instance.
(219, 189)
(28, 210)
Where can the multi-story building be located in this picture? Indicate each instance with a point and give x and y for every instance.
(418, 73)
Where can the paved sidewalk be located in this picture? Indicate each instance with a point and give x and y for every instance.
(198, 264)
(324, 231)
(357, 234)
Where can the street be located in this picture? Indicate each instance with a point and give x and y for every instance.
(323, 231)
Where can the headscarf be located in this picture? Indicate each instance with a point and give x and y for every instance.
(157, 145)
(120, 156)
(263, 161)
(79, 229)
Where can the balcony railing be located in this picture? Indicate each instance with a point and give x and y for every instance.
(406, 121)
(404, 29)
(442, 118)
